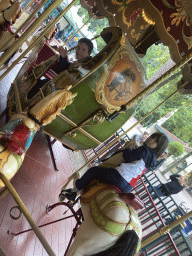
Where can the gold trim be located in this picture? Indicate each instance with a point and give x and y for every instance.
(97, 117)
(79, 128)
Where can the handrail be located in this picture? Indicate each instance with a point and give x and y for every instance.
(161, 219)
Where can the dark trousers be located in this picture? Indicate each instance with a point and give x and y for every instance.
(106, 175)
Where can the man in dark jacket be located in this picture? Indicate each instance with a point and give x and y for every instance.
(83, 51)
(174, 186)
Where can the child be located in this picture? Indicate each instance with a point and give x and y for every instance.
(124, 176)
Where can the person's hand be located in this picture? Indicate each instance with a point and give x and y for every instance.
(62, 51)
(132, 144)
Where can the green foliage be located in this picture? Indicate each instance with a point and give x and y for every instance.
(176, 148)
(155, 57)
(190, 144)
(180, 123)
(95, 26)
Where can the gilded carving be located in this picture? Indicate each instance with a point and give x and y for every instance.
(134, 35)
(181, 16)
(120, 81)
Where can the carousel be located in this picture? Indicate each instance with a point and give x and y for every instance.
(84, 105)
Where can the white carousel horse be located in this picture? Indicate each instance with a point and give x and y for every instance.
(110, 226)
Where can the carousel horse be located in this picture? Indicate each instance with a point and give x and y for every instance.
(9, 13)
(110, 227)
(16, 136)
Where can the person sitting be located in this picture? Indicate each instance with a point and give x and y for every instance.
(83, 52)
(124, 176)
(160, 162)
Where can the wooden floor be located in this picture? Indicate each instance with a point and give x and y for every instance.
(38, 184)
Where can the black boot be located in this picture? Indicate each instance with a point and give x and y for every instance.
(69, 194)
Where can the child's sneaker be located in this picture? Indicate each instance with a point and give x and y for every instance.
(67, 194)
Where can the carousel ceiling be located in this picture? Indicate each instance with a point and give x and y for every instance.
(145, 22)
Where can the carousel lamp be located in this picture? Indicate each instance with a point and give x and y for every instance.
(147, 18)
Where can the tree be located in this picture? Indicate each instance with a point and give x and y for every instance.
(95, 26)
(180, 123)
(155, 57)
(176, 148)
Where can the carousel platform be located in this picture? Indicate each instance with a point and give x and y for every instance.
(37, 183)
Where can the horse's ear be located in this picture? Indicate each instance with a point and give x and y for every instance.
(132, 244)
(127, 245)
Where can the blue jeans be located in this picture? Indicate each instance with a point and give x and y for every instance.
(106, 175)
(158, 190)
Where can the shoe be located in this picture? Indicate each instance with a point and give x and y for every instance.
(67, 194)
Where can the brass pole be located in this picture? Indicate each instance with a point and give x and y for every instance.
(37, 40)
(25, 23)
(29, 31)
(133, 101)
(76, 32)
(18, 102)
(2, 252)
(166, 229)
(28, 5)
(27, 215)
(111, 143)
(3, 192)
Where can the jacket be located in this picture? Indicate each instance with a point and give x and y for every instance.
(136, 162)
(172, 187)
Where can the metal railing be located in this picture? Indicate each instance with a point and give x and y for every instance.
(155, 216)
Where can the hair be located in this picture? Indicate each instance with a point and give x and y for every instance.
(162, 143)
(185, 180)
(88, 43)
(126, 245)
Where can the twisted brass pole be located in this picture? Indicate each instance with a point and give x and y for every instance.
(166, 229)
(38, 39)
(28, 5)
(29, 31)
(2, 252)
(25, 23)
(27, 215)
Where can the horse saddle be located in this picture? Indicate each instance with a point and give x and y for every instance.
(111, 200)
(96, 187)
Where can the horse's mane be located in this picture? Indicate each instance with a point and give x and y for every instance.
(126, 245)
